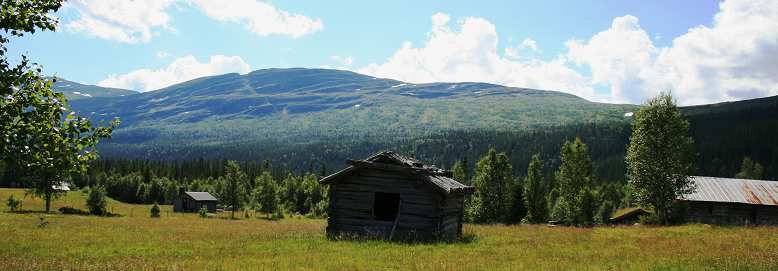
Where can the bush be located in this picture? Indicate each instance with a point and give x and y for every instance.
(203, 212)
(14, 204)
(649, 219)
(72, 211)
(96, 201)
(278, 214)
(155, 210)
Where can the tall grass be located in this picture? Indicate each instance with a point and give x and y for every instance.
(186, 241)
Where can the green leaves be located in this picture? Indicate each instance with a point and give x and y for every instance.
(659, 156)
(575, 180)
(535, 192)
(492, 181)
(40, 136)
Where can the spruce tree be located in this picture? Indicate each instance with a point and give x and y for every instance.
(235, 182)
(535, 192)
(574, 178)
(492, 181)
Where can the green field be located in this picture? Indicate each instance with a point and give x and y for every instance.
(185, 242)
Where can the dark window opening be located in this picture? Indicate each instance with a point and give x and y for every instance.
(386, 206)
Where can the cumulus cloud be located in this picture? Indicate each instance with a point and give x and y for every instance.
(530, 44)
(260, 17)
(138, 21)
(470, 53)
(735, 58)
(180, 70)
(120, 20)
(616, 57)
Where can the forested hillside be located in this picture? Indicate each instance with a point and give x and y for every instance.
(309, 119)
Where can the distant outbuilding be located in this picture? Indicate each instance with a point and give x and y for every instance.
(391, 196)
(627, 216)
(194, 201)
(61, 187)
(732, 201)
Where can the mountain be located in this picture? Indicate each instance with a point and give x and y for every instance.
(275, 103)
(299, 118)
(76, 91)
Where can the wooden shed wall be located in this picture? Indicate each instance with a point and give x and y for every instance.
(731, 213)
(452, 213)
(351, 205)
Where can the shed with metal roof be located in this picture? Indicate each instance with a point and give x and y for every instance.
(391, 196)
(732, 201)
(188, 201)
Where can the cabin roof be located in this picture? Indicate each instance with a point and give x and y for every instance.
(201, 196)
(627, 213)
(392, 161)
(714, 189)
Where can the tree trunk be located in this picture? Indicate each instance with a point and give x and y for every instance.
(232, 216)
(48, 200)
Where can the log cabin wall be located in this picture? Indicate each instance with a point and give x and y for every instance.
(421, 214)
(731, 213)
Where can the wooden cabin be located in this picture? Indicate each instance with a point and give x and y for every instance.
(391, 196)
(627, 216)
(732, 201)
(194, 201)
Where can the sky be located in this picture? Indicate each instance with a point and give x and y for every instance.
(607, 51)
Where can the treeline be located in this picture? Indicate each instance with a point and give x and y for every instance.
(721, 140)
(245, 186)
(573, 195)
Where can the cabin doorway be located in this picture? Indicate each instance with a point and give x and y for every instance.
(386, 206)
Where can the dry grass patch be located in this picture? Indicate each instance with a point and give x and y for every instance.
(185, 241)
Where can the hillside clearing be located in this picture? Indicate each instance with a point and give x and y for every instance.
(186, 241)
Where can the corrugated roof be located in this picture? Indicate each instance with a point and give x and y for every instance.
(716, 189)
(448, 184)
(201, 196)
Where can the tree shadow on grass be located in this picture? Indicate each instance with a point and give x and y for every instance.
(63, 211)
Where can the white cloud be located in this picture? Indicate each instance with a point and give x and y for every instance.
(616, 57)
(180, 70)
(138, 21)
(530, 44)
(120, 20)
(471, 54)
(736, 58)
(162, 54)
(260, 17)
(343, 60)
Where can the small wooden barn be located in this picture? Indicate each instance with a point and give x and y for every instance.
(194, 201)
(627, 216)
(391, 196)
(732, 201)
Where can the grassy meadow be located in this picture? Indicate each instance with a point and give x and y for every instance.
(134, 241)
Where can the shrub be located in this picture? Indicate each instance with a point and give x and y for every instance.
(14, 204)
(155, 210)
(203, 212)
(278, 214)
(96, 201)
(649, 219)
(72, 211)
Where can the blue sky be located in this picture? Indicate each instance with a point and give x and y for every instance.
(363, 35)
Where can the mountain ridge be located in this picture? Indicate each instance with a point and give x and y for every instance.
(272, 108)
